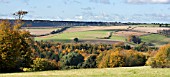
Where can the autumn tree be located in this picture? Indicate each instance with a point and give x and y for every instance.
(15, 50)
(162, 58)
(20, 14)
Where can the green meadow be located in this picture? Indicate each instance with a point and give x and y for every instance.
(144, 71)
(156, 39)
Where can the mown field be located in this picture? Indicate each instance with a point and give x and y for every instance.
(83, 36)
(144, 71)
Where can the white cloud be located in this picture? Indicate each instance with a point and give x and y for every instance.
(71, 1)
(78, 17)
(101, 1)
(149, 1)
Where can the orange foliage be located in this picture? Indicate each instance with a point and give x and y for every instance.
(162, 58)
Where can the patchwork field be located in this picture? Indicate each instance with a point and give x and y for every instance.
(92, 34)
(68, 37)
(144, 71)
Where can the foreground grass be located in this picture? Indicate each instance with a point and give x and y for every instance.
(104, 72)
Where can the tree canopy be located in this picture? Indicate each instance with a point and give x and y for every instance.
(14, 47)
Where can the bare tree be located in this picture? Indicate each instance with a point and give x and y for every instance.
(20, 14)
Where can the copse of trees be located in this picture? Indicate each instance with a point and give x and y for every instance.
(134, 39)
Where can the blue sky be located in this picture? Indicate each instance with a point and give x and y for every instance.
(90, 10)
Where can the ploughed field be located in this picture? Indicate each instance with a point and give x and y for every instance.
(40, 30)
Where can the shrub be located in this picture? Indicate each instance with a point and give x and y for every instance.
(134, 58)
(40, 64)
(127, 47)
(90, 62)
(116, 59)
(102, 59)
(162, 58)
(141, 47)
(71, 59)
(120, 57)
(27, 69)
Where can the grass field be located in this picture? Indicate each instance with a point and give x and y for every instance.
(71, 35)
(144, 71)
(84, 35)
(156, 39)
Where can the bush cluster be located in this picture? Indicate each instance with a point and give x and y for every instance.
(162, 58)
(119, 58)
(40, 64)
(72, 59)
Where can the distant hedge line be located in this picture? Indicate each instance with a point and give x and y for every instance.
(53, 32)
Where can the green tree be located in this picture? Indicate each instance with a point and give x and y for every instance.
(15, 51)
(71, 59)
(76, 39)
(134, 39)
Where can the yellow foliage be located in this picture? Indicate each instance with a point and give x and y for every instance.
(14, 45)
(119, 57)
(162, 58)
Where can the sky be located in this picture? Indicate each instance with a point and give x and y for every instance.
(149, 11)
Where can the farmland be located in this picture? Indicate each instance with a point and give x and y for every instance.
(144, 71)
(40, 30)
(156, 39)
(87, 34)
